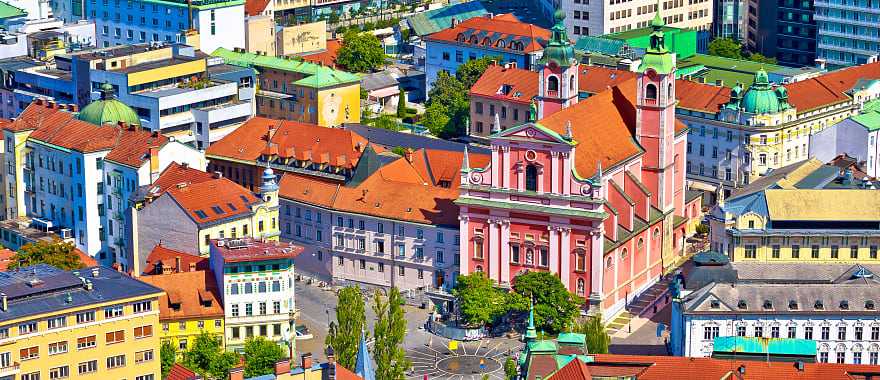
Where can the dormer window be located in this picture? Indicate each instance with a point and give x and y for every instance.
(844, 305)
(819, 305)
(714, 304)
(792, 305)
(869, 305)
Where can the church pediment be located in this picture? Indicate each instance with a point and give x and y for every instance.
(534, 132)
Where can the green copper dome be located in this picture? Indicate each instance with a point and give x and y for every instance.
(657, 57)
(559, 50)
(108, 110)
(762, 98)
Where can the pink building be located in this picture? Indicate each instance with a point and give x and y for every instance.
(594, 192)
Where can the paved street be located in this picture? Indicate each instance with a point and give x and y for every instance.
(643, 340)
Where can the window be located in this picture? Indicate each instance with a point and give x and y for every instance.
(854, 252)
(859, 332)
(740, 331)
(115, 361)
(85, 317)
(27, 328)
(581, 261)
(143, 331)
(775, 251)
(841, 333)
(57, 322)
(823, 357)
(774, 332)
(182, 345)
(808, 332)
(792, 332)
(143, 356)
(29, 353)
(873, 358)
(59, 372)
(478, 249)
(826, 333)
(814, 251)
(401, 271)
(248, 309)
(834, 251)
(57, 348)
(841, 357)
(86, 342)
(857, 357)
(795, 251)
(113, 312)
(875, 332)
(276, 307)
(651, 91)
(710, 332)
(234, 310)
(531, 178)
(30, 376)
(751, 252)
(115, 337)
(88, 367)
(759, 331)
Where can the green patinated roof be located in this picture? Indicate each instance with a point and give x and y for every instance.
(433, 21)
(657, 56)
(870, 116)
(108, 110)
(559, 50)
(563, 360)
(762, 98)
(9, 11)
(602, 45)
(316, 76)
(772, 346)
(572, 338)
(540, 346)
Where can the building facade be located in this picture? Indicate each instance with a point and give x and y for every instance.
(591, 18)
(855, 137)
(729, 20)
(95, 323)
(300, 91)
(785, 30)
(248, 268)
(847, 32)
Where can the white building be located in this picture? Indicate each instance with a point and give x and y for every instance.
(832, 304)
(256, 279)
(592, 18)
(855, 136)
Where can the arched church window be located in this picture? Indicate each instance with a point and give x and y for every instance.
(552, 83)
(669, 93)
(651, 91)
(571, 84)
(531, 178)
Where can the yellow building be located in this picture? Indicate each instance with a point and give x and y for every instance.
(806, 212)
(90, 324)
(15, 136)
(291, 89)
(200, 206)
(191, 305)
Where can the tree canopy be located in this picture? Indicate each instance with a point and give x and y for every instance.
(448, 106)
(360, 52)
(345, 333)
(731, 48)
(389, 331)
(597, 338)
(260, 355)
(168, 356)
(479, 301)
(555, 306)
(207, 357)
(58, 254)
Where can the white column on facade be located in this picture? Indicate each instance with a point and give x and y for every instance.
(493, 256)
(505, 166)
(565, 268)
(554, 250)
(505, 251)
(596, 267)
(566, 173)
(496, 165)
(554, 168)
(464, 244)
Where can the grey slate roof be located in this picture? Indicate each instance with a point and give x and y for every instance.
(375, 81)
(390, 139)
(784, 299)
(43, 289)
(794, 273)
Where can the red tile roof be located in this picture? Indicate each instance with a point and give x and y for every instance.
(576, 369)
(255, 7)
(5, 258)
(213, 200)
(521, 85)
(188, 295)
(443, 166)
(829, 88)
(36, 115)
(175, 174)
(489, 30)
(595, 79)
(700, 96)
(672, 367)
(333, 146)
(326, 57)
(84, 258)
(179, 372)
(247, 249)
(343, 373)
(166, 258)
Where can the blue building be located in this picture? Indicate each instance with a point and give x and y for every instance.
(502, 36)
(848, 31)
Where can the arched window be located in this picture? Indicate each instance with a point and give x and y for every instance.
(479, 268)
(478, 248)
(501, 44)
(656, 233)
(531, 178)
(669, 93)
(581, 261)
(651, 91)
(571, 85)
(623, 254)
(530, 256)
(552, 83)
(581, 287)
(641, 244)
(473, 40)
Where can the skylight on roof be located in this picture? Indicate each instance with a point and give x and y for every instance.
(218, 210)
(201, 214)
(243, 198)
(231, 207)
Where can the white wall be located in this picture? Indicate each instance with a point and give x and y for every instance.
(229, 30)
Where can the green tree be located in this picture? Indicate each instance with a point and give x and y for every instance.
(597, 338)
(401, 104)
(510, 370)
(389, 331)
(360, 52)
(479, 301)
(168, 356)
(385, 122)
(469, 72)
(399, 150)
(725, 47)
(437, 120)
(450, 92)
(555, 306)
(345, 333)
(260, 355)
(758, 57)
(334, 18)
(207, 357)
(58, 254)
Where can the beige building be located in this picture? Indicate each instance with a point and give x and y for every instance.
(260, 34)
(302, 38)
(583, 17)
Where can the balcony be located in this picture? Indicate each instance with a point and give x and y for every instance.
(819, 17)
(849, 36)
(10, 370)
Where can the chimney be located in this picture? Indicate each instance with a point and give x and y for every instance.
(155, 168)
(454, 22)
(306, 360)
(282, 367)
(490, 16)
(218, 175)
(236, 373)
(73, 107)
(96, 272)
(155, 134)
(719, 82)
(409, 155)
(39, 101)
(51, 104)
(177, 264)
(5, 305)
(122, 125)
(62, 106)
(89, 285)
(799, 365)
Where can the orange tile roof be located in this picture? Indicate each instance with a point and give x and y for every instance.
(333, 146)
(179, 372)
(255, 7)
(5, 258)
(85, 259)
(576, 369)
(213, 200)
(595, 79)
(133, 147)
(167, 257)
(438, 166)
(501, 27)
(36, 115)
(700, 96)
(673, 367)
(187, 295)
(176, 173)
(326, 57)
(343, 373)
(523, 84)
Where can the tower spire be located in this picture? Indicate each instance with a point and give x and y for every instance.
(496, 126)
(531, 333)
(465, 162)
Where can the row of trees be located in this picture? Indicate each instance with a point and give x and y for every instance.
(731, 48)
(388, 331)
(207, 357)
